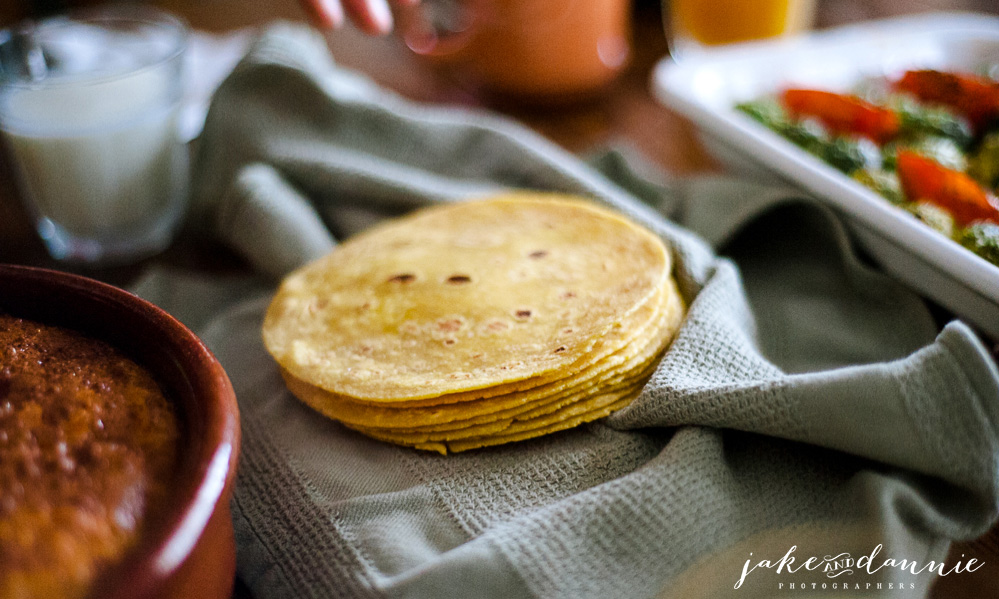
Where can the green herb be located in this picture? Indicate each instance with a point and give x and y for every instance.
(984, 163)
(983, 239)
(882, 182)
(943, 150)
(918, 120)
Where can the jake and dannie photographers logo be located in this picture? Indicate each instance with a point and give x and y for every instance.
(839, 567)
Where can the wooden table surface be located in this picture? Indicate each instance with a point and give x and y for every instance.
(625, 112)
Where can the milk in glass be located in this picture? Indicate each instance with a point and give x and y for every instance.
(94, 138)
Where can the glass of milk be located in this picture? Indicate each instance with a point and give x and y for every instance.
(89, 107)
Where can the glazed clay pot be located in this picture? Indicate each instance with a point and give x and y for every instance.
(187, 548)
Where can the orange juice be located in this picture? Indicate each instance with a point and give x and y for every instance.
(713, 22)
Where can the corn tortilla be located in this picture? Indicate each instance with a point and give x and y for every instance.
(463, 297)
(443, 417)
(443, 447)
(538, 417)
(627, 370)
(479, 323)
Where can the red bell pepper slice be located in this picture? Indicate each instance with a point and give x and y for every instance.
(973, 97)
(843, 114)
(924, 179)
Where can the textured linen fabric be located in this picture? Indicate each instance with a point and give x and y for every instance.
(809, 404)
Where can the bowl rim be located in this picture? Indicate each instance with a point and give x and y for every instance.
(203, 479)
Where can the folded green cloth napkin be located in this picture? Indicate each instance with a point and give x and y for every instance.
(808, 408)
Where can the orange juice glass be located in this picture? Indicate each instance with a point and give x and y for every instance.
(693, 24)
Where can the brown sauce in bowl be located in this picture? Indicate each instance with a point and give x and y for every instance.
(88, 443)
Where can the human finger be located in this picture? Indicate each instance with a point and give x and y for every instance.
(370, 16)
(325, 14)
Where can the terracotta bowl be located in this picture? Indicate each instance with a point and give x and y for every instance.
(187, 549)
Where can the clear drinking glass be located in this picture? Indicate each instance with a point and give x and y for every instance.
(89, 107)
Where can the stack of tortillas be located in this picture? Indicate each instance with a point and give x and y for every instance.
(478, 323)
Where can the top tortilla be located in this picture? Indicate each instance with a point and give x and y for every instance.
(463, 297)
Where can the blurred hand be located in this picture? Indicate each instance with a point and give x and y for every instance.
(370, 16)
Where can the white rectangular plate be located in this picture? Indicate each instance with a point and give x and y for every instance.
(707, 87)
